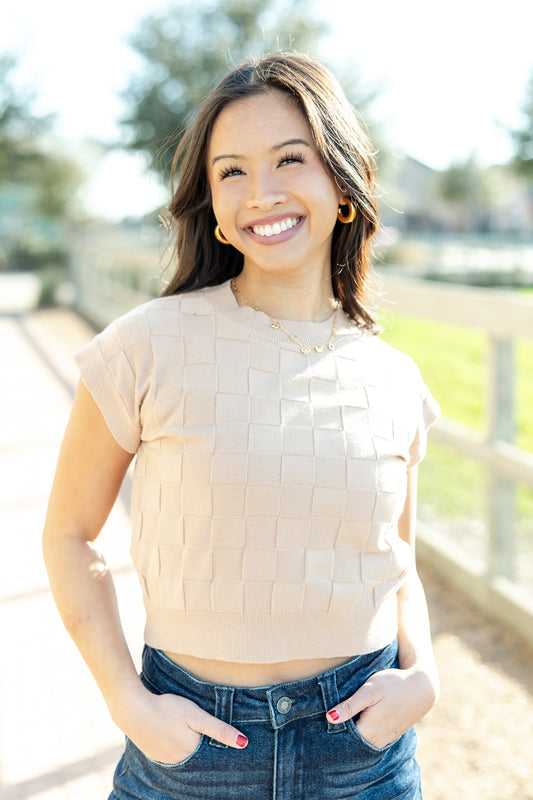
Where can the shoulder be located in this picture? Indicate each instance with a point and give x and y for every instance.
(161, 316)
(405, 381)
(385, 356)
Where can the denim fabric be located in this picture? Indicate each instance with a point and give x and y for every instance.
(294, 752)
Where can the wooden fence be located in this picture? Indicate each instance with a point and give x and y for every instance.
(505, 317)
(113, 281)
(110, 277)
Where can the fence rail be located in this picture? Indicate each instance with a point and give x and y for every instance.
(115, 281)
(110, 278)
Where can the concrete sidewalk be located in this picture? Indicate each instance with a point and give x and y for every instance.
(56, 740)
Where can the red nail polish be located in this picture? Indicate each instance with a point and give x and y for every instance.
(241, 740)
(333, 714)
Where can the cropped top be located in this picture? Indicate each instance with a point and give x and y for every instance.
(267, 484)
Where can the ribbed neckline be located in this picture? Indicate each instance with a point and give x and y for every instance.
(259, 324)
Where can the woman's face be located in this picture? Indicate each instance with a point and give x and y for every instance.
(272, 196)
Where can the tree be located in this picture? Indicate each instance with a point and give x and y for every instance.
(18, 127)
(523, 160)
(24, 160)
(187, 48)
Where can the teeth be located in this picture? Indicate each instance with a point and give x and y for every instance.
(277, 227)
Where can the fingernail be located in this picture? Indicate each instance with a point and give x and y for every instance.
(241, 740)
(333, 714)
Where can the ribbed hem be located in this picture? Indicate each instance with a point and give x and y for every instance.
(265, 639)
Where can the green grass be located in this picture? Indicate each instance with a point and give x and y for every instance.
(453, 363)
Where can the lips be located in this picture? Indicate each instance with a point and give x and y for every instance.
(275, 229)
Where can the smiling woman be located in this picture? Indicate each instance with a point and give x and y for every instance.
(273, 501)
(277, 206)
(265, 128)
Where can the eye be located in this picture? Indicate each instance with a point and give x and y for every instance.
(291, 158)
(229, 171)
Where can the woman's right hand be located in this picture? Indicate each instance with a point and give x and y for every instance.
(168, 727)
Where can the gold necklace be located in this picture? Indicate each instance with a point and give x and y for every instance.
(275, 323)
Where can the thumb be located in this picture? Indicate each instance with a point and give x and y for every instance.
(361, 699)
(211, 726)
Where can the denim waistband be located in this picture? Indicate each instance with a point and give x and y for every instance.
(281, 703)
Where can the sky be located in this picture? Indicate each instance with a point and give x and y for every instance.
(451, 78)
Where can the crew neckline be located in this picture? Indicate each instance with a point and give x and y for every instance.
(259, 323)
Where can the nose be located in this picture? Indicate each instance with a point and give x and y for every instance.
(265, 191)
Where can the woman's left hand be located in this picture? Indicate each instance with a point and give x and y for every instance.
(389, 703)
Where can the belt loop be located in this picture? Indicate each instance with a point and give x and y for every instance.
(223, 709)
(330, 696)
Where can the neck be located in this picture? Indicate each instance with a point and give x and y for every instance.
(288, 299)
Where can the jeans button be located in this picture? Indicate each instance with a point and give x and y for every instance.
(284, 705)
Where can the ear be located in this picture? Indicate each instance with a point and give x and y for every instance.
(342, 192)
(342, 198)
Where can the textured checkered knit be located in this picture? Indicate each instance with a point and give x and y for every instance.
(268, 483)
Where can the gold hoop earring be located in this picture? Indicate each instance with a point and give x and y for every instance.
(352, 211)
(220, 236)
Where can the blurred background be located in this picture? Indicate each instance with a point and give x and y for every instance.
(91, 93)
(92, 101)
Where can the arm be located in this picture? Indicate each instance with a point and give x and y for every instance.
(414, 637)
(90, 470)
(393, 700)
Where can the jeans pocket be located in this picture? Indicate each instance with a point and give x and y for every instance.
(136, 754)
(137, 775)
(360, 739)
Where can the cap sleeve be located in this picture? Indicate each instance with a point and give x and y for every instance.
(116, 367)
(428, 411)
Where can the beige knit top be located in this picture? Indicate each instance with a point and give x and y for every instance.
(268, 484)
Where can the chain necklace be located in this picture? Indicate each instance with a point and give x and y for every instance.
(275, 323)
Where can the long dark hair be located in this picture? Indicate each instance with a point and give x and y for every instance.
(341, 143)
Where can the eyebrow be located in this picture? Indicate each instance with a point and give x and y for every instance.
(288, 143)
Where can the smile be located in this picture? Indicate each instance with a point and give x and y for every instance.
(276, 228)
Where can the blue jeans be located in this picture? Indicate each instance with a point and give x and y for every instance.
(293, 753)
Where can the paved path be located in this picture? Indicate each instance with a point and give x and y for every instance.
(56, 741)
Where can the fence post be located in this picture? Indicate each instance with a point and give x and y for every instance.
(501, 426)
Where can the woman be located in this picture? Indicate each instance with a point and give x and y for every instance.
(276, 436)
